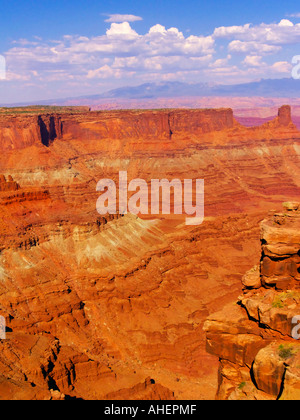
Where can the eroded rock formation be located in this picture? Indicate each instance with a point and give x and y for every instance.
(8, 184)
(256, 337)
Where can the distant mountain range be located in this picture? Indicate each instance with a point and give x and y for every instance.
(284, 88)
(266, 88)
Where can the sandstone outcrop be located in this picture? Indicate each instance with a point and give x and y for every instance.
(257, 335)
(8, 184)
(285, 115)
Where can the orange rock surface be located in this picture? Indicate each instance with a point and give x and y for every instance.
(114, 307)
(256, 336)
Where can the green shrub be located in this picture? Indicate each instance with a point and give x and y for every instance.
(241, 385)
(285, 351)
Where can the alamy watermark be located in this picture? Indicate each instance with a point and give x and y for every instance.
(296, 329)
(2, 67)
(296, 68)
(2, 328)
(160, 197)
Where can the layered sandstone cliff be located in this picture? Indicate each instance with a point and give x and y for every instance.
(18, 132)
(256, 337)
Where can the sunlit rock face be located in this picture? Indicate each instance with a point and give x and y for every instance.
(257, 336)
(113, 306)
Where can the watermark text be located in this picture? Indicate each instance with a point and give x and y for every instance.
(296, 329)
(2, 67)
(296, 68)
(160, 197)
(2, 328)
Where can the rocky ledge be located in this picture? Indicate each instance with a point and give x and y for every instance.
(257, 337)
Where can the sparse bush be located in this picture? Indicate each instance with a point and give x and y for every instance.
(285, 351)
(277, 302)
(241, 385)
(282, 299)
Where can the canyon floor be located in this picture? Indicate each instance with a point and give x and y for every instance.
(123, 306)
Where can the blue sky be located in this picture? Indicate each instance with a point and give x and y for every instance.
(56, 49)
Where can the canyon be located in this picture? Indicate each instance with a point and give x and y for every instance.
(136, 306)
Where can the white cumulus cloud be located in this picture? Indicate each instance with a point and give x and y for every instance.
(117, 18)
(229, 53)
(122, 30)
(282, 33)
